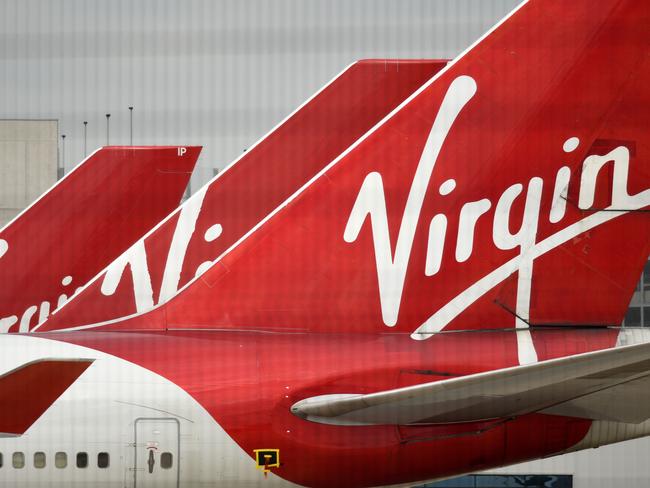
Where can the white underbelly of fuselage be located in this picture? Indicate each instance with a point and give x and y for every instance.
(135, 429)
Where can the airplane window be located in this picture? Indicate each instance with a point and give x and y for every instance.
(82, 460)
(18, 460)
(102, 460)
(60, 460)
(39, 460)
(166, 460)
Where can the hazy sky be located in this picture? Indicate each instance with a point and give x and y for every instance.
(216, 73)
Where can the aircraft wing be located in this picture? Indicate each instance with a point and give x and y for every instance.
(590, 385)
(628, 402)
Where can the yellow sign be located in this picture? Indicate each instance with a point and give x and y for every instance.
(267, 459)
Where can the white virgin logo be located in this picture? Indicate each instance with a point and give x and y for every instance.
(391, 270)
(136, 259)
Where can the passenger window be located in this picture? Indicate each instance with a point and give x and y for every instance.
(166, 460)
(39, 460)
(82, 460)
(18, 460)
(60, 460)
(102, 460)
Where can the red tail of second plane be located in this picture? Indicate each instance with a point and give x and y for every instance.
(219, 214)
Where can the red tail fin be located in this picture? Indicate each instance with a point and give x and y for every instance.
(219, 214)
(84, 222)
(453, 213)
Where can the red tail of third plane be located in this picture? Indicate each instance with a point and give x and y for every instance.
(83, 223)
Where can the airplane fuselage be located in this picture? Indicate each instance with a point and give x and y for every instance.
(190, 408)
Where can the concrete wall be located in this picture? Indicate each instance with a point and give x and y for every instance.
(28, 163)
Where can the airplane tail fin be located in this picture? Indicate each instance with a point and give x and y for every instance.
(215, 217)
(510, 191)
(82, 223)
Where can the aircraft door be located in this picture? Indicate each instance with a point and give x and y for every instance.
(157, 449)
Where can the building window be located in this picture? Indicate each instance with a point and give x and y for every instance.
(103, 460)
(638, 314)
(82, 460)
(506, 481)
(18, 460)
(166, 460)
(39, 460)
(188, 191)
(60, 460)
(633, 317)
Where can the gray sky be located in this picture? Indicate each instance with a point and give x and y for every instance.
(216, 73)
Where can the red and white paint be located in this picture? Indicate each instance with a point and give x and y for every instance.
(187, 242)
(230, 393)
(496, 197)
(81, 224)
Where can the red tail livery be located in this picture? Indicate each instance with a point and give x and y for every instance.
(82, 224)
(213, 219)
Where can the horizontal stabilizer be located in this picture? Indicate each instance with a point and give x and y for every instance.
(29, 390)
(565, 386)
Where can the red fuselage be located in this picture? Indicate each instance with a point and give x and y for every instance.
(247, 381)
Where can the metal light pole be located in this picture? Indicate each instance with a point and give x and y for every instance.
(60, 170)
(85, 138)
(108, 116)
(131, 119)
